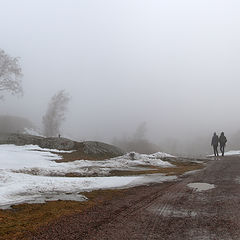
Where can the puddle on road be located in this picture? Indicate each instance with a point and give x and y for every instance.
(199, 187)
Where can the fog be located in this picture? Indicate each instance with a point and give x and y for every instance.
(172, 64)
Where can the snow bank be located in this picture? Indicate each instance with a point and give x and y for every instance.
(32, 159)
(28, 156)
(17, 188)
(161, 155)
(27, 174)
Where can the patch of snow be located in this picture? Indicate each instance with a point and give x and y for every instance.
(232, 152)
(161, 155)
(199, 187)
(38, 161)
(18, 184)
(17, 187)
(37, 148)
(133, 159)
(229, 153)
(28, 156)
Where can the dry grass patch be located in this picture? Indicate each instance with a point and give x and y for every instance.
(179, 168)
(20, 221)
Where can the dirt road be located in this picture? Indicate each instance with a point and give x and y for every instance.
(164, 211)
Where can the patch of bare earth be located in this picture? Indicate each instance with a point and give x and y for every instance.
(162, 211)
(25, 219)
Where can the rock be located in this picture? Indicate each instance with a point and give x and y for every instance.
(88, 149)
(26, 139)
(91, 147)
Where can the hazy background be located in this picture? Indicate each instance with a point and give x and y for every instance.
(171, 64)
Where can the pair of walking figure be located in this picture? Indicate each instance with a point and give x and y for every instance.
(221, 140)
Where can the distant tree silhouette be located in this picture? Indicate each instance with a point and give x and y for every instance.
(14, 124)
(138, 142)
(10, 75)
(141, 131)
(55, 114)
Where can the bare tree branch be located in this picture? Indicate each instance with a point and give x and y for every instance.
(10, 74)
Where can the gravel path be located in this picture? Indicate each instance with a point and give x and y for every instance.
(163, 211)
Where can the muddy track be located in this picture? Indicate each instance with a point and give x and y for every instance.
(162, 205)
(163, 211)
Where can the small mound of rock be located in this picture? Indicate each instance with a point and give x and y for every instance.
(88, 148)
(26, 139)
(91, 147)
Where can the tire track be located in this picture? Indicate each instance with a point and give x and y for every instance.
(167, 210)
(163, 205)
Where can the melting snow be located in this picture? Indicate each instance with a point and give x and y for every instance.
(229, 153)
(18, 184)
(233, 152)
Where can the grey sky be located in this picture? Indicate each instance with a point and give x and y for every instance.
(174, 64)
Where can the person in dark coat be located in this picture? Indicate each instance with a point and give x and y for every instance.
(214, 143)
(222, 141)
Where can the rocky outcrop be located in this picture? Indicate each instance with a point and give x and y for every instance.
(25, 139)
(91, 147)
(88, 149)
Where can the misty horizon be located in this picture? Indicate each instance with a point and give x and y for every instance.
(171, 64)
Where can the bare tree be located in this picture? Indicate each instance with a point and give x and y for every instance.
(55, 114)
(10, 75)
(140, 132)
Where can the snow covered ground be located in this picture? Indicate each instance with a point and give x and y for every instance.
(229, 153)
(232, 152)
(29, 174)
(42, 166)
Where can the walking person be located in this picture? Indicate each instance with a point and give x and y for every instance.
(214, 144)
(222, 141)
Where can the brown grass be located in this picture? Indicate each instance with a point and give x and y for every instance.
(18, 222)
(180, 168)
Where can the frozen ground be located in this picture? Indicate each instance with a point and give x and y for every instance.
(30, 174)
(229, 153)
(232, 152)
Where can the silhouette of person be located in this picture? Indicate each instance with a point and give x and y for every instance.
(214, 143)
(222, 141)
